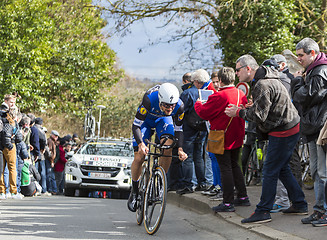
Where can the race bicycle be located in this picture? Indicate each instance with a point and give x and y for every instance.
(89, 122)
(151, 203)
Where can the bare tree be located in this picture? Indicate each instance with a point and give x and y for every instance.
(265, 30)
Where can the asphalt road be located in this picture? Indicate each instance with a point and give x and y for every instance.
(60, 217)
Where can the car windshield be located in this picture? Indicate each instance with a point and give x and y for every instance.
(108, 149)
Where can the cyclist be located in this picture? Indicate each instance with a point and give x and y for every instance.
(161, 109)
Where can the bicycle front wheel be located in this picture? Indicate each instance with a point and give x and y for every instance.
(155, 201)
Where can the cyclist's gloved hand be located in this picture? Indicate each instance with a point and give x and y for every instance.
(143, 149)
(182, 155)
(259, 154)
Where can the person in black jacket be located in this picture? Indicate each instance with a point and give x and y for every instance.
(309, 89)
(9, 136)
(40, 165)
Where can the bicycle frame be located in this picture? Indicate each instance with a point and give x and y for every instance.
(89, 122)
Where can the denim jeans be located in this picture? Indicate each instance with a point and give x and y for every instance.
(40, 166)
(208, 166)
(276, 165)
(193, 147)
(318, 173)
(215, 170)
(6, 177)
(19, 166)
(51, 179)
(60, 181)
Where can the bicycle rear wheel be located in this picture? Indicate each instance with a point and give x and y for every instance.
(305, 165)
(155, 201)
(250, 168)
(140, 202)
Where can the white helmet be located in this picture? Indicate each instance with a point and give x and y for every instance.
(168, 93)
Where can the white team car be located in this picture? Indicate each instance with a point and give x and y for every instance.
(101, 164)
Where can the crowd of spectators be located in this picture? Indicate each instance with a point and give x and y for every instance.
(30, 163)
(281, 107)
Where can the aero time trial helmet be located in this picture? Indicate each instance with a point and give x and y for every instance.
(168, 93)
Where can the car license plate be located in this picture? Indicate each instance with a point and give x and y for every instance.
(99, 175)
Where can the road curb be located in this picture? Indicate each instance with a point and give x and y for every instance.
(200, 204)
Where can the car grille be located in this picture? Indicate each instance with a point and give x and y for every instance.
(99, 181)
(112, 170)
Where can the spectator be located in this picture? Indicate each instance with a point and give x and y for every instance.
(282, 202)
(9, 101)
(75, 142)
(285, 79)
(9, 137)
(282, 63)
(30, 181)
(215, 80)
(21, 155)
(309, 91)
(212, 180)
(26, 132)
(275, 115)
(212, 170)
(59, 167)
(50, 162)
(175, 172)
(40, 164)
(194, 136)
(1, 154)
(213, 110)
(34, 139)
(187, 81)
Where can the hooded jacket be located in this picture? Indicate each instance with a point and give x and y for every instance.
(310, 91)
(272, 107)
(10, 133)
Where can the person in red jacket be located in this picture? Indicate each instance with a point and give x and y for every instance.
(213, 110)
(59, 167)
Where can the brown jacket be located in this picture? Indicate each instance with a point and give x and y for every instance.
(52, 148)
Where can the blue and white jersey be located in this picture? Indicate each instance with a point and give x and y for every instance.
(149, 113)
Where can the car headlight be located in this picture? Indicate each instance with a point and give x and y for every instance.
(72, 164)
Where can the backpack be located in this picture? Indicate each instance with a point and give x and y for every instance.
(25, 175)
(195, 122)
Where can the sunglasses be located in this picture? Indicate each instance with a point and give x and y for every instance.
(238, 69)
(167, 105)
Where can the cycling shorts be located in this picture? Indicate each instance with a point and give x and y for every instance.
(163, 126)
